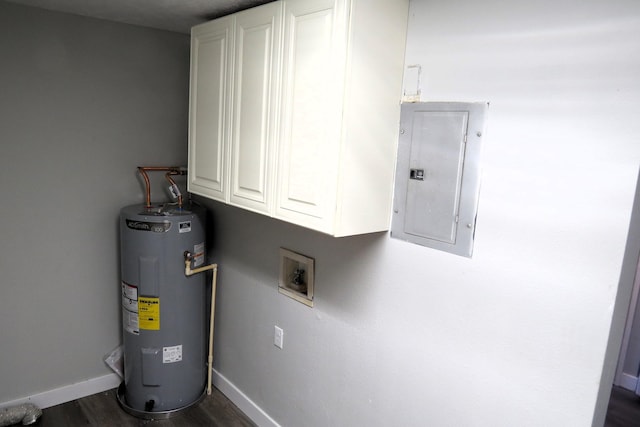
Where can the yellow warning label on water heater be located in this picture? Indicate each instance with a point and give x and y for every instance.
(149, 313)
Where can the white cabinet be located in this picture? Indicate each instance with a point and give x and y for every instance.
(253, 121)
(234, 82)
(313, 77)
(313, 125)
(209, 115)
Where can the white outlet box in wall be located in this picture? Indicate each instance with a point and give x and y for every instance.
(278, 337)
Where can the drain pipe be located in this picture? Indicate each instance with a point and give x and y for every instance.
(27, 413)
(188, 271)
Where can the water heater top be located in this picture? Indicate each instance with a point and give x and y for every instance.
(162, 210)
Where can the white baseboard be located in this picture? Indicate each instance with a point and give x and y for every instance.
(69, 392)
(107, 382)
(628, 382)
(242, 401)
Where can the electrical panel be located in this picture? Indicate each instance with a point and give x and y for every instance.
(438, 174)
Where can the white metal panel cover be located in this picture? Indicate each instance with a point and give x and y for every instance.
(437, 175)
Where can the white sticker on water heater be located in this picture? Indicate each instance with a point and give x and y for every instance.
(130, 308)
(172, 354)
(129, 297)
(198, 254)
(130, 322)
(184, 227)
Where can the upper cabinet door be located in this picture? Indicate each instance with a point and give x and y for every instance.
(211, 72)
(312, 72)
(256, 77)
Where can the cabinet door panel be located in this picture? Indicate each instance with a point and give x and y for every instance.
(209, 129)
(309, 136)
(254, 107)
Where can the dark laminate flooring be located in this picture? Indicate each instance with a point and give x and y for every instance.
(624, 409)
(102, 409)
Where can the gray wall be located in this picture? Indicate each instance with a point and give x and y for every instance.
(82, 103)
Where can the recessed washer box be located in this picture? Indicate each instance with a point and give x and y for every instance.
(296, 276)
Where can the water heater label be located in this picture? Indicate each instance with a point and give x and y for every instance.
(198, 254)
(129, 297)
(149, 313)
(172, 354)
(130, 322)
(130, 308)
(184, 227)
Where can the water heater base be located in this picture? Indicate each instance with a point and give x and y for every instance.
(159, 415)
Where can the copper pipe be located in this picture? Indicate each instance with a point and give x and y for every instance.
(143, 171)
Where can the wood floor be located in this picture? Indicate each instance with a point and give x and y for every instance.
(102, 410)
(624, 409)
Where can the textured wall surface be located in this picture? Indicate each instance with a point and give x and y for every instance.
(516, 336)
(82, 103)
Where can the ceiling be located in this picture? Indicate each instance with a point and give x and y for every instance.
(172, 15)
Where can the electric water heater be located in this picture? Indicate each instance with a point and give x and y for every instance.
(164, 312)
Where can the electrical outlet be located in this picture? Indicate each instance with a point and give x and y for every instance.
(278, 337)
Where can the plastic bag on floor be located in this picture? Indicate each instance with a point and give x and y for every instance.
(115, 361)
